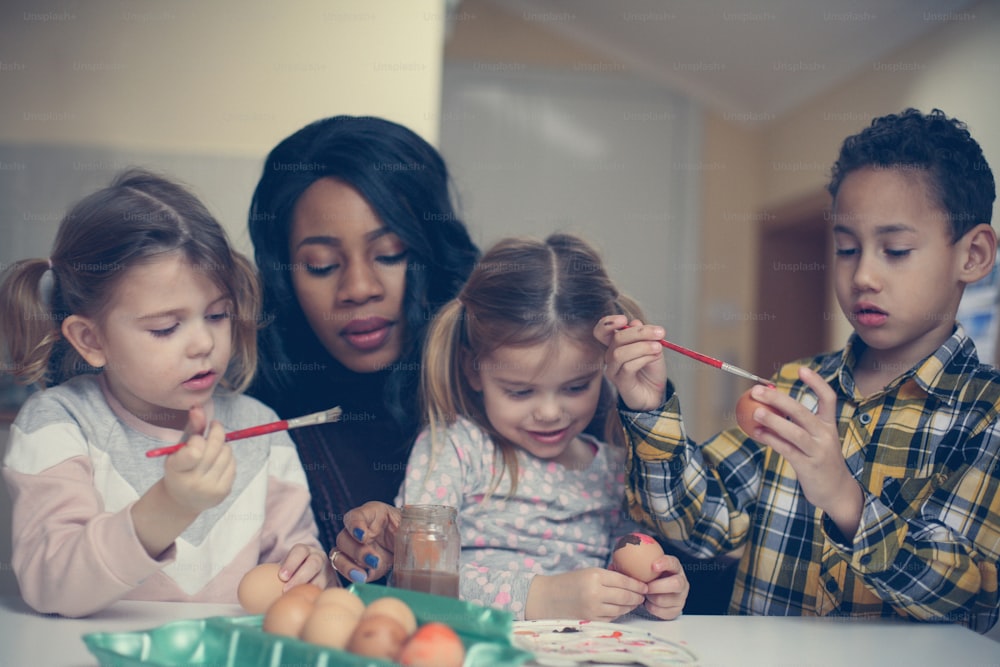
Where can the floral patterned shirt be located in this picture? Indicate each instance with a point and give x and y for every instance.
(557, 520)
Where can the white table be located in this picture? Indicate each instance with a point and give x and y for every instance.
(28, 638)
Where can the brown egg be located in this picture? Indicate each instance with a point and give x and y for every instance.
(395, 609)
(259, 588)
(377, 637)
(287, 615)
(341, 597)
(330, 625)
(433, 645)
(308, 591)
(634, 555)
(745, 407)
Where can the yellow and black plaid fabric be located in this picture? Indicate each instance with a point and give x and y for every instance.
(926, 452)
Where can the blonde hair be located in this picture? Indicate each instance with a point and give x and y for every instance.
(138, 216)
(523, 292)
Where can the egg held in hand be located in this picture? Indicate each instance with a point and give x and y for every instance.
(745, 407)
(259, 588)
(634, 556)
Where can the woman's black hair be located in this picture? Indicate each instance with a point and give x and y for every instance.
(406, 182)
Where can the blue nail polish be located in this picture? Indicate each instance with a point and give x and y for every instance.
(371, 560)
(358, 577)
(358, 534)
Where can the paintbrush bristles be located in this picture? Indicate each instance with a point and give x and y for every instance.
(736, 370)
(331, 415)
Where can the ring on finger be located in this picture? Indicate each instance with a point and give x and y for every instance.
(333, 557)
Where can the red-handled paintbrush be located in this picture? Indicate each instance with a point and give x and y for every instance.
(331, 415)
(705, 359)
(711, 361)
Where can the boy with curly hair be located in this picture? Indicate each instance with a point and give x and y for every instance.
(875, 489)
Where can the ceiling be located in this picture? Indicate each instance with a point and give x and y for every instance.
(751, 61)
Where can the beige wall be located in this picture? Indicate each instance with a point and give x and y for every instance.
(730, 202)
(486, 34)
(228, 76)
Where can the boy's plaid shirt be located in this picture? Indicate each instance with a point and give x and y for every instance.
(926, 452)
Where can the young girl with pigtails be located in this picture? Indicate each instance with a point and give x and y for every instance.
(141, 328)
(512, 377)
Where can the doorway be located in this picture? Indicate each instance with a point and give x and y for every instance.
(793, 287)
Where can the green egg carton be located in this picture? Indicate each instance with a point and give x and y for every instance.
(239, 641)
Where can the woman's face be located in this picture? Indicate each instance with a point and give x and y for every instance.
(349, 275)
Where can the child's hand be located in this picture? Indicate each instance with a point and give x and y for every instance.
(306, 564)
(366, 543)
(200, 475)
(593, 594)
(811, 444)
(196, 477)
(634, 360)
(668, 592)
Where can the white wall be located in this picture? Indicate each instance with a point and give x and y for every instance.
(612, 159)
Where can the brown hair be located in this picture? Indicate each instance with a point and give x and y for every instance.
(138, 216)
(523, 292)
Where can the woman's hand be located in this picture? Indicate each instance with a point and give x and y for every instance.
(634, 360)
(668, 592)
(593, 594)
(364, 550)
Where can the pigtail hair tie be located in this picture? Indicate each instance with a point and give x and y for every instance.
(47, 285)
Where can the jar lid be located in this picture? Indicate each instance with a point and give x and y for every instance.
(429, 511)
